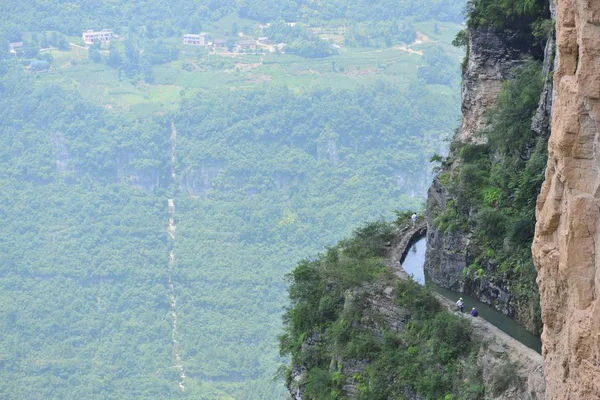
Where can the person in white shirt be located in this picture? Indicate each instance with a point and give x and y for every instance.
(414, 219)
(460, 304)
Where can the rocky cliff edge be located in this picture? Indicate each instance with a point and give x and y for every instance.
(566, 245)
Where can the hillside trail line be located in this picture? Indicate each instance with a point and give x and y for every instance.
(171, 229)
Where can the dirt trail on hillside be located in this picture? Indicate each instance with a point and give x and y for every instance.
(171, 229)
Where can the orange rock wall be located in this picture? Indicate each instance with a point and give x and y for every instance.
(567, 242)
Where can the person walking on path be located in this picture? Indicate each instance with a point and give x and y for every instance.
(413, 219)
(474, 312)
(460, 305)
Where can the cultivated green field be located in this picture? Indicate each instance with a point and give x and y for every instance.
(199, 70)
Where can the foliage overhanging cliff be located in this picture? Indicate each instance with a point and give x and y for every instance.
(359, 328)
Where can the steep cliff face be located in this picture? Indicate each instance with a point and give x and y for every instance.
(567, 237)
(493, 58)
(493, 54)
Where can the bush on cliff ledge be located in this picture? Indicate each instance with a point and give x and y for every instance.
(331, 320)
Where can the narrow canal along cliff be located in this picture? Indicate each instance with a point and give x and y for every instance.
(497, 366)
(566, 246)
(456, 259)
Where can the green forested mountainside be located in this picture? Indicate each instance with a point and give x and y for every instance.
(158, 19)
(282, 188)
(265, 175)
(80, 239)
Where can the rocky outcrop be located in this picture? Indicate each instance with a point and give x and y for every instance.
(61, 155)
(196, 181)
(493, 54)
(567, 240)
(509, 369)
(377, 300)
(446, 251)
(146, 179)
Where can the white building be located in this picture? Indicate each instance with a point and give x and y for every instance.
(90, 36)
(195, 40)
(12, 47)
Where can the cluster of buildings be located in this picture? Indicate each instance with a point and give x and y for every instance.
(245, 45)
(219, 44)
(104, 36)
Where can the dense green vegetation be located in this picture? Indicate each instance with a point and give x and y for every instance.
(301, 40)
(148, 24)
(496, 185)
(268, 178)
(143, 75)
(163, 19)
(277, 156)
(288, 172)
(507, 13)
(82, 264)
(330, 321)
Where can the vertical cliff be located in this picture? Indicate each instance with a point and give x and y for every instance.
(456, 257)
(492, 55)
(567, 236)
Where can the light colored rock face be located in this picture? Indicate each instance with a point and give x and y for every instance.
(566, 248)
(492, 56)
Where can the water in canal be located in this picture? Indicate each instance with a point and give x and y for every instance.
(413, 264)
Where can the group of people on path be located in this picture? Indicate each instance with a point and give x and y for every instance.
(461, 306)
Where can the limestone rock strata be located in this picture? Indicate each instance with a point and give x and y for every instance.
(566, 245)
(493, 54)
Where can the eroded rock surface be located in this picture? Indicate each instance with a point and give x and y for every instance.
(493, 54)
(565, 248)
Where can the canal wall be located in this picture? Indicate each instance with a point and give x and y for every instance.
(510, 370)
(401, 243)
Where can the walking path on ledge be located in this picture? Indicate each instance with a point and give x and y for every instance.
(499, 350)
